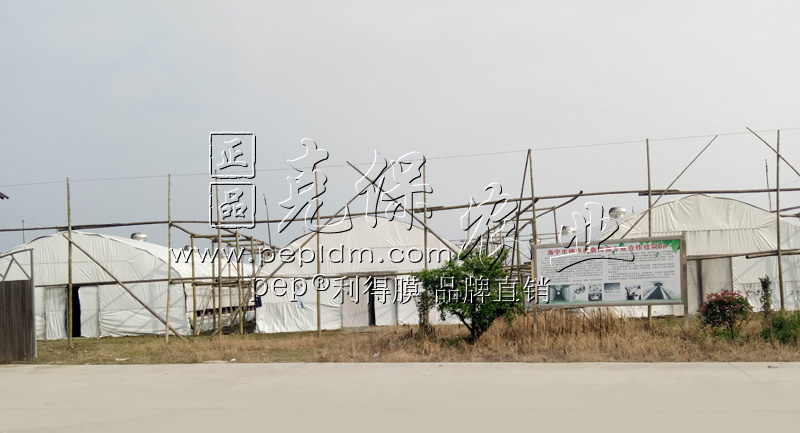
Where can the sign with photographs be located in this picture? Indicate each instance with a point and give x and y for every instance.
(640, 272)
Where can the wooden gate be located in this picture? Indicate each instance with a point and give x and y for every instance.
(17, 320)
(17, 331)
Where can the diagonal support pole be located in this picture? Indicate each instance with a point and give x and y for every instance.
(649, 209)
(251, 291)
(121, 284)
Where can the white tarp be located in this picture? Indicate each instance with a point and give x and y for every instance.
(388, 250)
(721, 226)
(106, 310)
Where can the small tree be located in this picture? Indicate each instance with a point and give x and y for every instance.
(474, 288)
(765, 297)
(726, 310)
(425, 302)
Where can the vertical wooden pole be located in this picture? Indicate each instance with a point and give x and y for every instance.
(424, 233)
(253, 267)
(69, 267)
(219, 262)
(194, 290)
(518, 257)
(213, 288)
(425, 210)
(684, 284)
(169, 251)
(534, 277)
(319, 266)
(239, 284)
(649, 220)
(778, 218)
(230, 288)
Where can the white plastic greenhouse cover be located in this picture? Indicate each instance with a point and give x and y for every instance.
(388, 241)
(716, 226)
(106, 310)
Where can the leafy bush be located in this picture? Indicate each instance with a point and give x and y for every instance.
(765, 297)
(785, 327)
(425, 302)
(455, 291)
(725, 311)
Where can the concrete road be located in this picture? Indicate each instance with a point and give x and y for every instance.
(401, 397)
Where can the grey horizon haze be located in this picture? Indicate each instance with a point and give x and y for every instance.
(117, 95)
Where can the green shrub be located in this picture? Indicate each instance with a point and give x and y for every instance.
(454, 289)
(765, 297)
(726, 311)
(785, 327)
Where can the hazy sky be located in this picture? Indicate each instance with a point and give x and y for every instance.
(130, 91)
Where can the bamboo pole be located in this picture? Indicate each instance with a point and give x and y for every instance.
(121, 284)
(308, 239)
(670, 186)
(252, 265)
(518, 259)
(447, 244)
(769, 197)
(194, 290)
(213, 288)
(425, 211)
(430, 208)
(778, 217)
(169, 252)
(534, 277)
(649, 221)
(778, 152)
(316, 258)
(239, 281)
(219, 261)
(69, 267)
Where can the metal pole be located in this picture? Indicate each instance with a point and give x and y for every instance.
(23, 231)
(319, 266)
(778, 217)
(69, 267)
(649, 220)
(169, 249)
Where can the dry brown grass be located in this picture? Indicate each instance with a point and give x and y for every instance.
(563, 337)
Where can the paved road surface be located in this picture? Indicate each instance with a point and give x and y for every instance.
(401, 397)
